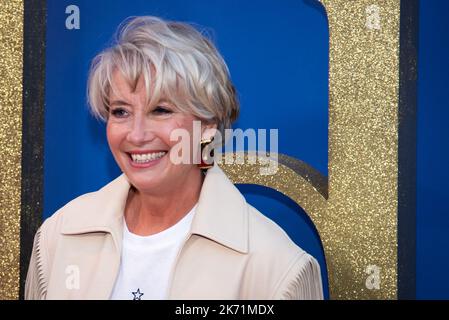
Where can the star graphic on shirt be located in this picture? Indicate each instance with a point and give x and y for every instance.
(137, 295)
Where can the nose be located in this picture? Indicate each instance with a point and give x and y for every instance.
(140, 131)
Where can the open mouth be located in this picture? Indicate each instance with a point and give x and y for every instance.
(142, 158)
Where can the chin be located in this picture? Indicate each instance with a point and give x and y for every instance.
(142, 183)
(142, 180)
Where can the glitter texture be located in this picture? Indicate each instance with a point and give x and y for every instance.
(361, 220)
(11, 53)
(355, 210)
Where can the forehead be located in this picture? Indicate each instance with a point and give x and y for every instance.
(123, 88)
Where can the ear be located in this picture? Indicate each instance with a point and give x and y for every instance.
(208, 131)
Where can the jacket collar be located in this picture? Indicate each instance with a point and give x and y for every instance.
(221, 214)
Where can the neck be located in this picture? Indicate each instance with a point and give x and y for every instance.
(148, 213)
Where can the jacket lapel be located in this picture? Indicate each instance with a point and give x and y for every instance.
(93, 230)
(221, 213)
(213, 257)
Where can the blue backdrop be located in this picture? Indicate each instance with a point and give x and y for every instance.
(277, 52)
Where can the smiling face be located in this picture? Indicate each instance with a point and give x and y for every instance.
(139, 138)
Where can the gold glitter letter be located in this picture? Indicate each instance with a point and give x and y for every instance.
(364, 212)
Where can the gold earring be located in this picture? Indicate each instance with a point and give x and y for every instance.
(207, 155)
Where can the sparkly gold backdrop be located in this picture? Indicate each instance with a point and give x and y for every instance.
(356, 211)
(361, 220)
(11, 49)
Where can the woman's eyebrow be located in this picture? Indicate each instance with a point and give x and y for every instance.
(161, 103)
(164, 101)
(119, 103)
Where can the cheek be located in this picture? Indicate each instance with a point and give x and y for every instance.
(186, 123)
(167, 129)
(113, 135)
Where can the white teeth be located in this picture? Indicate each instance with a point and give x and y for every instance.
(144, 158)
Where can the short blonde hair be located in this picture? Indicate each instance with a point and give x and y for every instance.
(186, 67)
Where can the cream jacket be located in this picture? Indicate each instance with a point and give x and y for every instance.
(231, 252)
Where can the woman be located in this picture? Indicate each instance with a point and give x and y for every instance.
(165, 229)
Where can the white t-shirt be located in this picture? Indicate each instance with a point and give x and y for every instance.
(146, 262)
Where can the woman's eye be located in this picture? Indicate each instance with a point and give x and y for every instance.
(161, 110)
(119, 113)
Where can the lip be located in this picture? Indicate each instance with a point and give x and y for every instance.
(147, 164)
